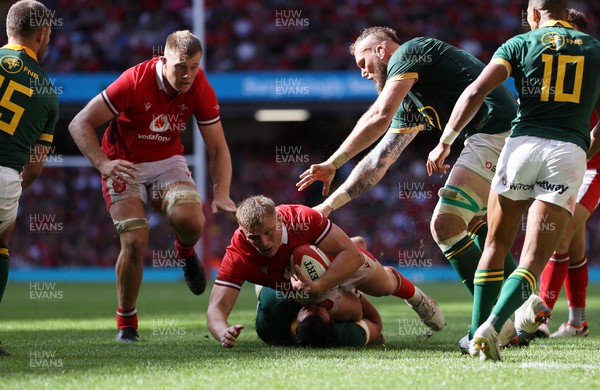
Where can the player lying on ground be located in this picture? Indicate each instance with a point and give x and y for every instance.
(260, 253)
(284, 321)
(281, 320)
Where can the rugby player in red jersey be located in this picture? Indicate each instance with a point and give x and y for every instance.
(260, 253)
(141, 159)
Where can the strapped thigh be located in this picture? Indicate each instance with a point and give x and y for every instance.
(131, 224)
(460, 201)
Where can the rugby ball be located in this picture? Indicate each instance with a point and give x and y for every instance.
(311, 260)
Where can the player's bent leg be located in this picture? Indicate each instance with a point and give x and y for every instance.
(461, 199)
(545, 225)
(129, 217)
(504, 216)
(4, 258)
(359, 242)
(182, 205)
(568, 254)
(576, 282)
(4, 267)
(388, 281)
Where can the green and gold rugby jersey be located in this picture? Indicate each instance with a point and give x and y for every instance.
(442, 73)
(556, 72)
(28, 106)
(276, 314)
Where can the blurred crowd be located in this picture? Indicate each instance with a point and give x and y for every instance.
(63, 220)
(110, 36)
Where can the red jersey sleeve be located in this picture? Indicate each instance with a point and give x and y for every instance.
(226, 276)
(231, 272)
(207, 111)
(118, 96)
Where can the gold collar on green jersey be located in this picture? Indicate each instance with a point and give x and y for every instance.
(16, 47)
(551, 23)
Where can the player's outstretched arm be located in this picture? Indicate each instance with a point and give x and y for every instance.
(220, 166)
(83, 130)
(221, 302)
(33, 168)
(464, 110)
(369, 171)
(367, 130)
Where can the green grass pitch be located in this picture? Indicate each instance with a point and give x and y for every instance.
(61, 336)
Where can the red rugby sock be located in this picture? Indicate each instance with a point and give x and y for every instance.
(127, 318)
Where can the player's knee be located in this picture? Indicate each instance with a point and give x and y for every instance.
(456, 207)
(133, 246)
(182, 193)
(446, 226)
(359, 242)
(190, 225)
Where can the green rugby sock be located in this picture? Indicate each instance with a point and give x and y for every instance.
(517, 289)
(3, 269)
(464, 257)
(478, 233)
(488, 283)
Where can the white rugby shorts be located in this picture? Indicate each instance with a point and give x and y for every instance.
(481, 152)
(10, 192)
(152, 179)
(544, 169)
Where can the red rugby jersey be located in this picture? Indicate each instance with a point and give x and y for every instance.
(242, 262)
(147, 124)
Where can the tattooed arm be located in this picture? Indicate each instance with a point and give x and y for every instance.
(369, 171)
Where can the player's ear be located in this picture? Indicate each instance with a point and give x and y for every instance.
(40, 35)
(535, 17)
(380, 51)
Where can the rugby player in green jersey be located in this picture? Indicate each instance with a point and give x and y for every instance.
(542, 163)
(282, 321)
(418, 84)
(28, 114)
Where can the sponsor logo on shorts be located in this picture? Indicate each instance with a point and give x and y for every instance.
(560, 188)
(516, 186)
(490, 166)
